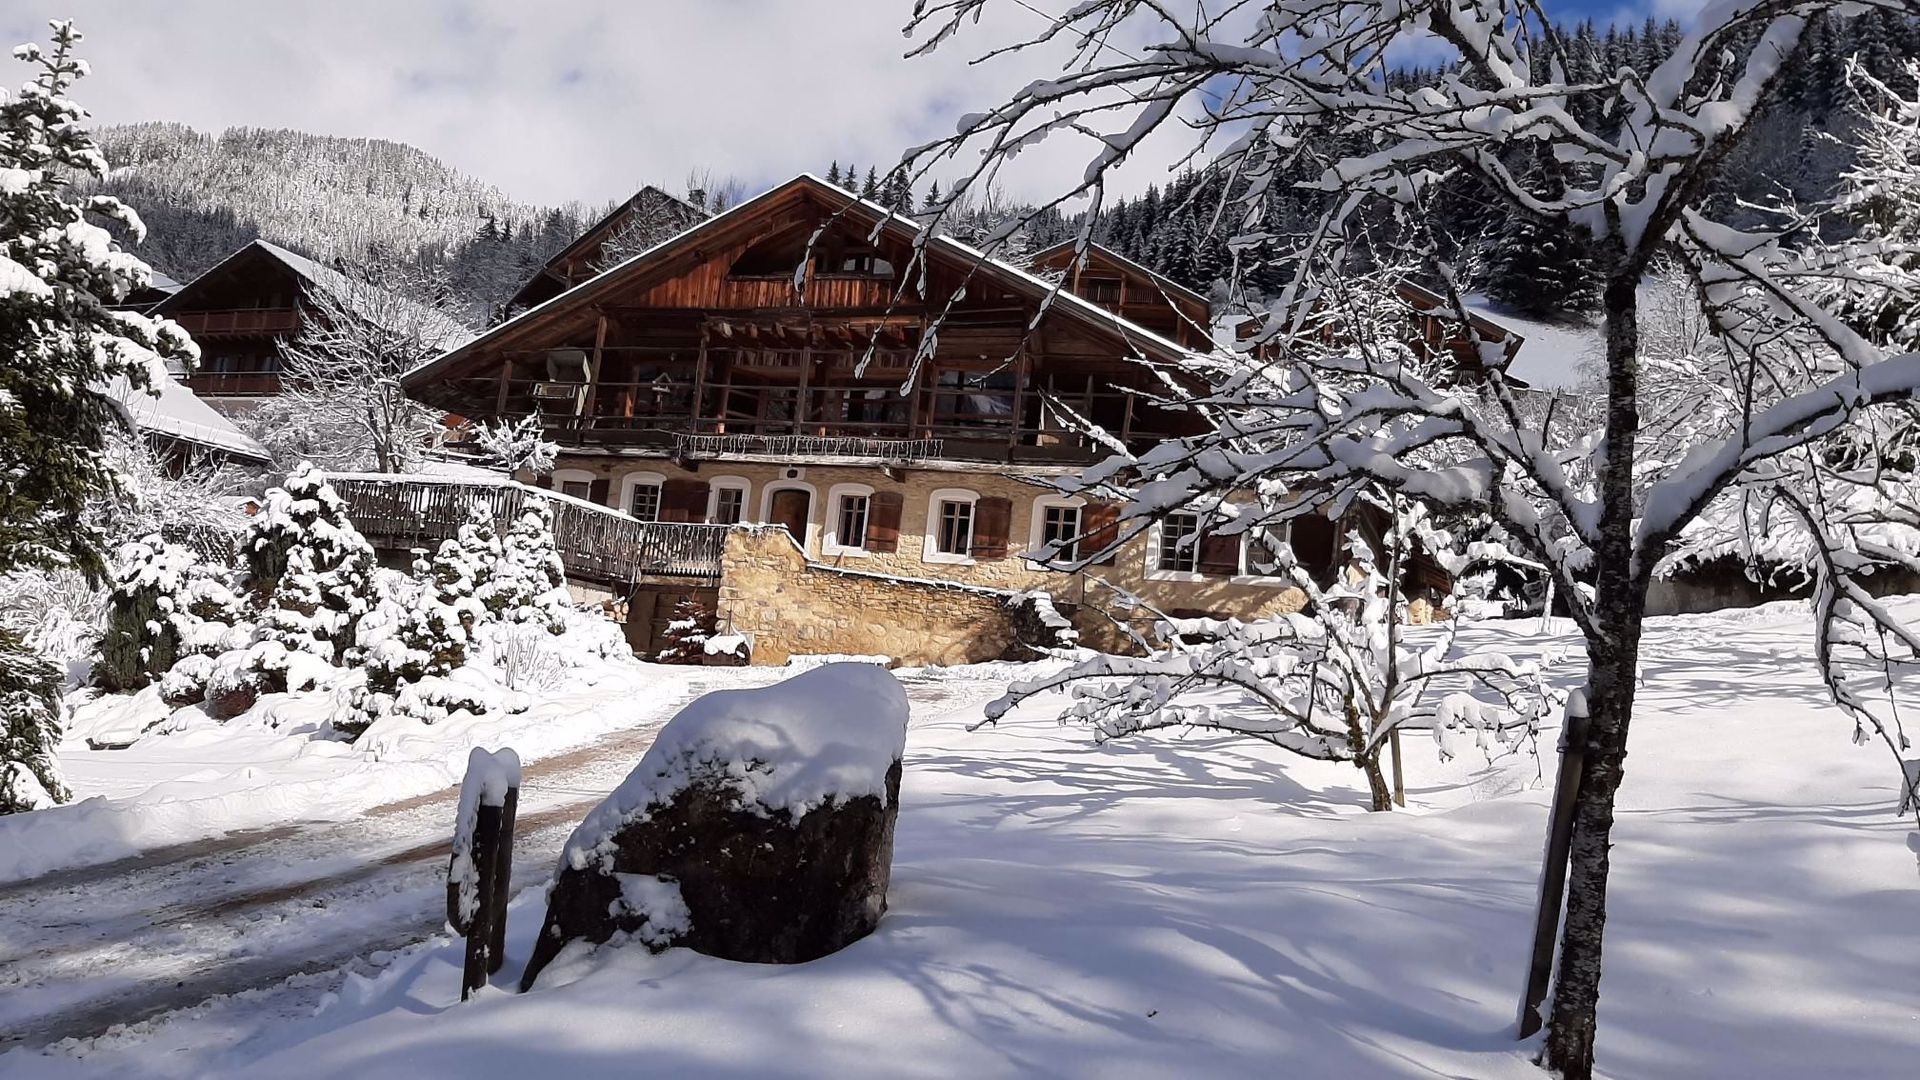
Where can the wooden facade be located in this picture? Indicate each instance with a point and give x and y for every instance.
(239, 312)
(800, 315)
(1126, 288)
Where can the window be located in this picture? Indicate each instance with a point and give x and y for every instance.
(728, 505)
(576, 489)
(950, 526)
(953, 531)
(573, 483)
(851, 529)
(1060, 530)
(643, 501)
(1178, 550)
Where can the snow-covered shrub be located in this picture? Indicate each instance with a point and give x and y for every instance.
(29, 728)
(165, 603)
(687, 633)
(311, 566)
(142, 639)
(529, 658)
(1038, 625)
(539, 580)
(466, 570)
(186, 682)
(518, 444)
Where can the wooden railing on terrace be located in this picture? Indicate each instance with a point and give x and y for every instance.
(238, 321)
(234, 383)
(596, 543)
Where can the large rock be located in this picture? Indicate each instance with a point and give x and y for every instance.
(758, 827)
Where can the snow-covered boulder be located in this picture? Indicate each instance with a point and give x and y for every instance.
(758, 827)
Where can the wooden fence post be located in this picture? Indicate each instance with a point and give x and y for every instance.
(480, 873)
(1553, 875)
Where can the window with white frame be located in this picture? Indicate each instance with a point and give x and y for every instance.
(850, 528)
(953, 530)
(849, 511)
(573, 483)
(727, 500)
(949, 528)
(1178, 547)
(1057, 523)
(642, 496)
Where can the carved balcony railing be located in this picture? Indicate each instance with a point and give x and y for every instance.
(595, 543)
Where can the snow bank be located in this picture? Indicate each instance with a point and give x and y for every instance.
(826, 735)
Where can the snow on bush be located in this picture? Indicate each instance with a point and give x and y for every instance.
(312, 566)
(166, 603)
(824, 736)
(535, 578)
(688, 632)
(29, 729)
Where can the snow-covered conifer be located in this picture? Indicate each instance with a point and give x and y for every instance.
(311, 566)
(142, 639)
(540, 595)
(64, 346)
(29, 728)
(687, 633)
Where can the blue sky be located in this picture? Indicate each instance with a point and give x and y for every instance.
(558, 100)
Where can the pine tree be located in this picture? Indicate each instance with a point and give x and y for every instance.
(687, 633)
(29, 728)
(540, 578)
(310, 565)
(62, 344)
(833, 173)
(871, 188)
(142, 638)
(932, 201)
(1540, 268)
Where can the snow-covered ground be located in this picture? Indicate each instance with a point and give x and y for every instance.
(1203, 905)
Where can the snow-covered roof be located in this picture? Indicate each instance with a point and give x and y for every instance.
(180, 414)
(1552, 355)
(1006, 272)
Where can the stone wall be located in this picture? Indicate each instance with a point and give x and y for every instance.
(786, 605)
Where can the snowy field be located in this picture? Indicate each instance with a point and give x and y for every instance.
(1204, 906)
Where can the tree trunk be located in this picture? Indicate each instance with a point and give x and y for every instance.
(1613, 656)
(1376, 780)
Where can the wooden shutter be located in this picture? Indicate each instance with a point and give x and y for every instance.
(598, 492)
(1099, 526)
(883, 521)
(683, 500)
(992, 521)
(1219, 554)
(544, 480)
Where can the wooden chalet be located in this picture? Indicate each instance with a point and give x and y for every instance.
(239, 312)
(649, 217)
(760, 368)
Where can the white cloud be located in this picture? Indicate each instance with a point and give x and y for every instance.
(569, 99)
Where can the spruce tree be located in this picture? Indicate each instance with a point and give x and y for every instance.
(540, 578)
(1539, 268)
(29, 728)
(63, 346)
(142, 638)
(310, 565)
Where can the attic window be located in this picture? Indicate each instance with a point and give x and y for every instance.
(856, 262)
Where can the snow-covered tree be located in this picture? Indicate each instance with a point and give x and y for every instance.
(1540, 267)
(142, 641)
(1881, 194)
(29, 728)
(689, 629)
(469, 566)
(539, 579)
(1597, 503)
(517, 444)
(1334, 682)
(64, 346)
(311, 567)
(341, 403)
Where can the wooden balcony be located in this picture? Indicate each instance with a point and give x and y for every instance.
(238, 321)
(234, 383)
(596, 543)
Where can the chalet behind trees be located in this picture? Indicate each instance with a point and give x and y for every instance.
(760, 367)
(239, 311)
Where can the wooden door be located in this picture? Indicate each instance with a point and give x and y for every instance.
(792, 507)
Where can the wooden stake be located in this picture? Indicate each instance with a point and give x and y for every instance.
(1553, 876)
(1399, 781)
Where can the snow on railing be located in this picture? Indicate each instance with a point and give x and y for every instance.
(788, 445)
(595, 542)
